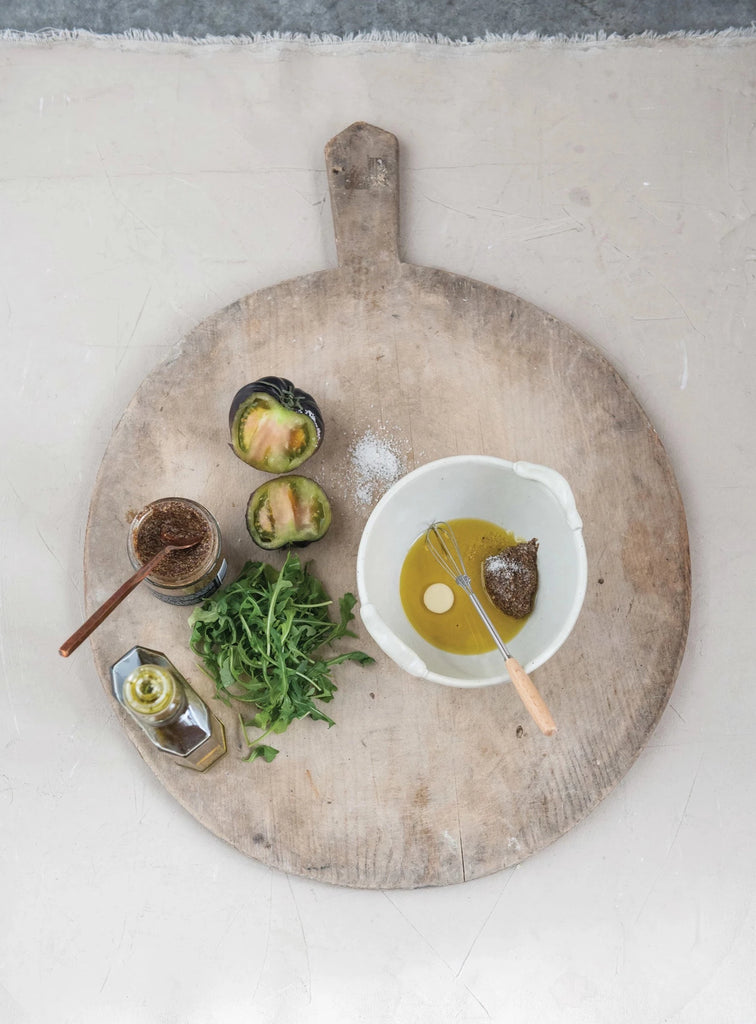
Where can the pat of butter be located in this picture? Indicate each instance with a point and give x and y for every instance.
(438, 598)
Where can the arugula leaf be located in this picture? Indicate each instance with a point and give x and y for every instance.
(261, 750)
(259, 639)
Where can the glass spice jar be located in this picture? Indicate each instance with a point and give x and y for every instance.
(181, 577)
(165, 706)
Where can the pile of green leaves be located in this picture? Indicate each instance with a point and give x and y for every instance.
(260, 638)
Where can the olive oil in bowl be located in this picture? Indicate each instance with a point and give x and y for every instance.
(460, 629)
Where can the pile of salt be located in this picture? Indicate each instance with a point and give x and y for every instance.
(376, 464)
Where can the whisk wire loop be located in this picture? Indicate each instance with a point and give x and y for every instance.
(443, 545)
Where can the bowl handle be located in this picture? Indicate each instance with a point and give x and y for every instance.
(558, 486)
(389, 642)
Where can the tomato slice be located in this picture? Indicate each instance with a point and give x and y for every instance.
(290, 510)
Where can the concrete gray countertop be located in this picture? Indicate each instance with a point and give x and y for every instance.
(343, 17)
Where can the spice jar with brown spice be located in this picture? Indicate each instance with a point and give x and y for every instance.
(181, 577)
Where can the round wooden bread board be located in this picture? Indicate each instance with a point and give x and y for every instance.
(417, 784)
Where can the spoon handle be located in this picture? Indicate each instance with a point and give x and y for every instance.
(99, 616)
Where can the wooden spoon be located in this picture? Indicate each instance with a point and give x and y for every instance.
(172, 543)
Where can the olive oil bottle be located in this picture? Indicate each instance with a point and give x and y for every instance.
(164, 705)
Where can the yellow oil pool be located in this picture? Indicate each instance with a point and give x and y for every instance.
(458, 630)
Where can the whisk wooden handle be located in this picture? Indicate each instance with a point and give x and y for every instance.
(530, 697)
(443, 545)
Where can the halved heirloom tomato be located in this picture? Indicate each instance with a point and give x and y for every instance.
(274, 425)
(289, 510)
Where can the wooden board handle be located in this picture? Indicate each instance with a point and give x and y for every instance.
(363, 178)
(531, 698)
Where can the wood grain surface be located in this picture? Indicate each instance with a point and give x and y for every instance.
(416, 784)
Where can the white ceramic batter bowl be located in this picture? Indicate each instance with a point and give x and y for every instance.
(528, 500)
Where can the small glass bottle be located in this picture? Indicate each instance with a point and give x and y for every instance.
(165, 706)
(181, 577)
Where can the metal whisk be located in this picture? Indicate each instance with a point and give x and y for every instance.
(442, 544)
